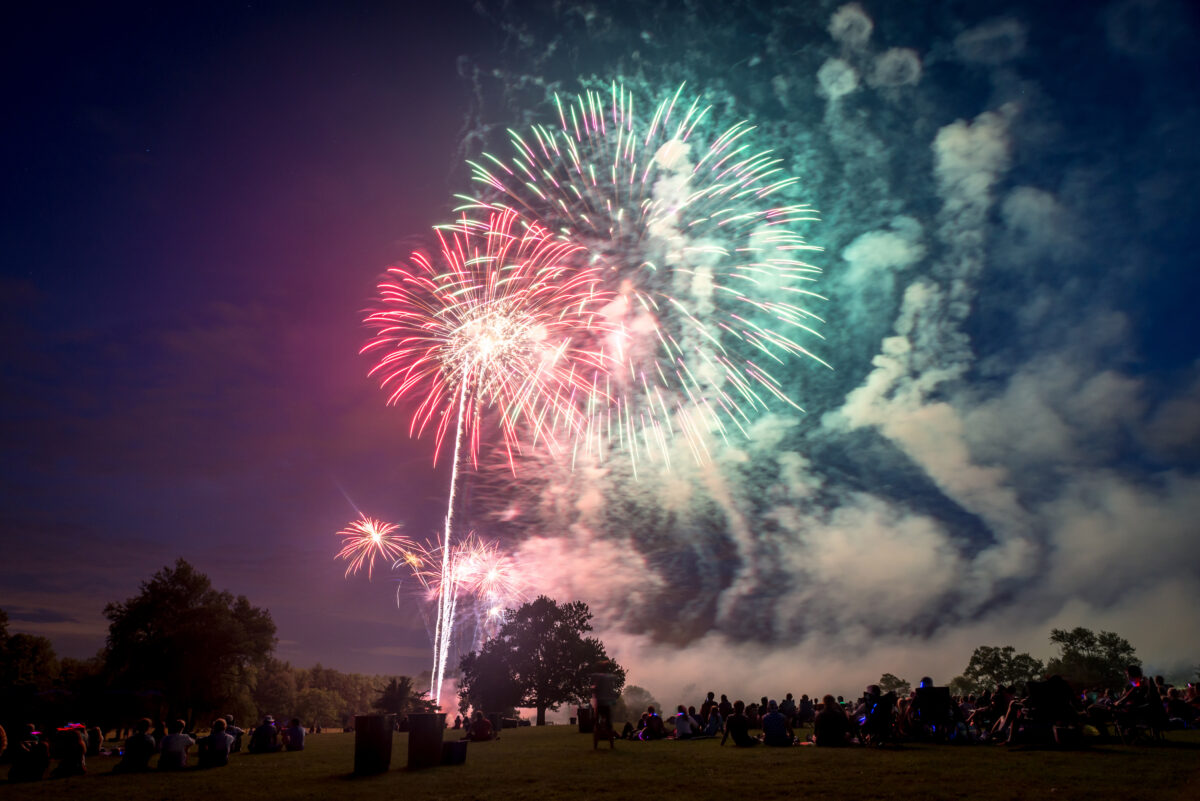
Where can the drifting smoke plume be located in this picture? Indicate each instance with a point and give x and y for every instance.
(989, 461)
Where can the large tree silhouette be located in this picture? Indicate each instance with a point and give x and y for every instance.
(180, 637)
(539, 659)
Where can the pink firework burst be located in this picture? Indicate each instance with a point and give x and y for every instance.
(495, 323)
(366, 539)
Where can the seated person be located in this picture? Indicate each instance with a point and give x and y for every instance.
(139, 747)
(173, 750)
(737, 727)
(1139, 704)
(215, 748)
(831, 726)
(30, 757)
(265, 739)
(293, 736)
(685, 725)
(1179, 709)
(235, 732)
(95, 740)
(72, 753)
(715, 724)
(652, 727)
(479, 729)
(777, 730)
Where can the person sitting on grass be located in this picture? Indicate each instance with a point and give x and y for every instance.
(480, 729)
(831, 727)
(214, 749)
(651, 726)
(72, 753)
(777, 729)
(737, 727)
(235, 732)
(173, 750)
(265, 739)
(293, 736)
(30, 757)
(139, 747)
(685, 725)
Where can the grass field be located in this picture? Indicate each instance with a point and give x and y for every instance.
(555, 762)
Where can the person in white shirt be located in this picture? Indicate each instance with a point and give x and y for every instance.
(173, 750)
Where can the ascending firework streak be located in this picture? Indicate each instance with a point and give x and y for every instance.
(494, 326)
(706, 266)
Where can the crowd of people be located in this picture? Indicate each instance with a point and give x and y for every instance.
(171, 743)
(1048, 711)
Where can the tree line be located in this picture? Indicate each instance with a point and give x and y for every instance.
(181, 648)
(1086, 659)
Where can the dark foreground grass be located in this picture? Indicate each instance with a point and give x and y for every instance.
(555, 762)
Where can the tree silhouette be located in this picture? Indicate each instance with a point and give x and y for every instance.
(1089, 659)
(993, 665)
(180, 637)
(538, 659)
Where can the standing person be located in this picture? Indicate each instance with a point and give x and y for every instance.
(724, 707)
(139, 747)
(787, 708)
(214, 749)
(173, 750)
(294, 735)
(710, 703)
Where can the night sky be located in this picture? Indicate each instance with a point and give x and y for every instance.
(199, 200)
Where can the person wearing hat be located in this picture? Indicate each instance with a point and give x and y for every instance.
(265, 739)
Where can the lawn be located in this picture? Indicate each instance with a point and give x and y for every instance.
(555, 762)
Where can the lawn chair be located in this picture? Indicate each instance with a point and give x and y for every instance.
(1143, 723)
(933, 714)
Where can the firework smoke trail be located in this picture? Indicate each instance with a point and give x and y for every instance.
(495, 327)
(702, 265)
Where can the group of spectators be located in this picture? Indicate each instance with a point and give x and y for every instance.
(1044, 711)
(71, 745)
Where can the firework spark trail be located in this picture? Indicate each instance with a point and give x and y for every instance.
(475, 570)
(703, 266)
(496, 326)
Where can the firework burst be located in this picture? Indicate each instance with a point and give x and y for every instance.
(480, 575)
(366, 539)
(711, 290)
(498, 322)
(494, 325)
